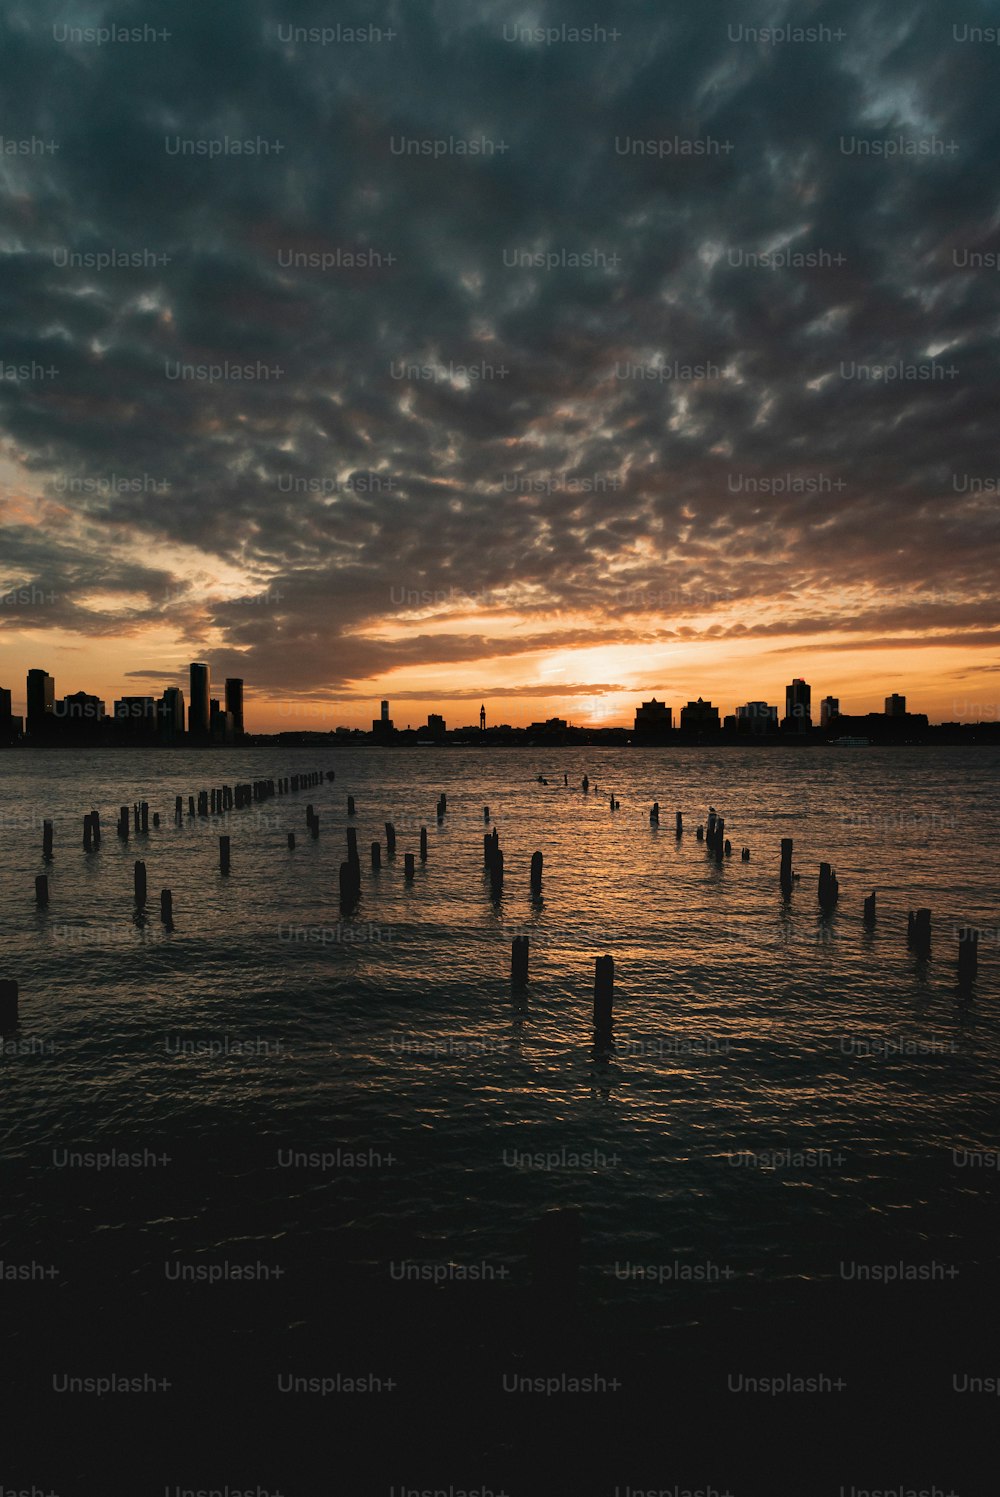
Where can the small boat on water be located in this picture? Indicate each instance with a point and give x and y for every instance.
(850, 741)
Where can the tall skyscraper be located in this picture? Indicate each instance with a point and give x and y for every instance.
(6, 702)
(234, 703)
(385, 712)
(798, 705)
(199, 712)
(171, 713)
(829, 708)
(895, 706)
(41, 701)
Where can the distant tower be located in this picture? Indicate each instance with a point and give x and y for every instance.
(234, 702)
(482, 718)
(385, 712)
(199, 711)
(895, 706)
(829, 708)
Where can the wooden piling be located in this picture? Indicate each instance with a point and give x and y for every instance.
(604, 993)
(700, 834)
(42, 889)
(47, 840)
(654, 815)
(224, 854)
(829, 890)
(139, 884)
(349, 885)
(869, 915)
(390, 838)
(352, 844)
(423, 844)
(409, 865)
(376, 856)
(536, 874)
(678, 825)
(166, 907)
(745, 855)
(519, 961)
(88, 833)
(968, 955)
(727, 848)
(918, 931)
(123, 823)
(496, 874)
(350, 805)
(156, 818)
(314, 828)
(585, 784)
(486, 813)
(785, 875)
(718, 841)
(291, 841)
(8, 1005)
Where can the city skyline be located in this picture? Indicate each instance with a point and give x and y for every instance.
(203, 717)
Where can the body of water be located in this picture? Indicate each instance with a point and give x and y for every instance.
(790, 1095)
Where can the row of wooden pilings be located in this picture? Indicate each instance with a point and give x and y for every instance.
(215, 803)
(225, 798)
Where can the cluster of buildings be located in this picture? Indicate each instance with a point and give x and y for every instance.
(81, 718)
(700, 719)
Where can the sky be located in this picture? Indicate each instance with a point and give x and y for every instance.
(524, 418)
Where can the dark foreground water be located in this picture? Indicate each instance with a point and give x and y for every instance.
(342, 1131)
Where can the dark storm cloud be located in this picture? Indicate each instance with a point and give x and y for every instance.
(552, 480)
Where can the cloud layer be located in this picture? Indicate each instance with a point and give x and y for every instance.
(538, 396)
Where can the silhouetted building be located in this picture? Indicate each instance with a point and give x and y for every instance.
(220, 723)
(234, 703)
(756, 717)
(10, 726)
(653, 720)
(41, 703)
(482, 718)
(170, 713)
(436, 727)
(884, 727)
(700, 717)
(383, 728)
(135, 718)
(200, 710)
(895, 706)
(829, 708)
(80, 715)
(798, 706)
(553, 729)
